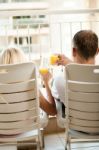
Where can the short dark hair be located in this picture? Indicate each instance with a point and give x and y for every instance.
(86, 42)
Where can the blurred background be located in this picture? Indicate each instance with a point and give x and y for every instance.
(42, 27)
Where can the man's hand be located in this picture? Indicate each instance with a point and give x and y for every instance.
(63, 60)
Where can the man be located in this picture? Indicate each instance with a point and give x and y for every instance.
(85, 48)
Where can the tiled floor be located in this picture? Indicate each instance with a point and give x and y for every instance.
(57, 142)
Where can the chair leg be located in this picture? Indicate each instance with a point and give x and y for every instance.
(65, 148)
(41, 139)
(38, 146)
(68, 143)
(42, 136)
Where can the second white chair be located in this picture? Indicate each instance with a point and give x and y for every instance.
(82, 102)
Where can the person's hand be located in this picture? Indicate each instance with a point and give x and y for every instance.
(46, 77)
(63, 60)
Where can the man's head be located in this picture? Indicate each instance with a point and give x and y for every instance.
(85, 46)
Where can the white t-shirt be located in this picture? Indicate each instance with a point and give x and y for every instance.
(58, 87)
(97, 60)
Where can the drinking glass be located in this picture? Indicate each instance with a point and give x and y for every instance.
(44, 66)
(53, 59)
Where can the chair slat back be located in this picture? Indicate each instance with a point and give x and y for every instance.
(18, 98)
(83, 97)
(13, 73)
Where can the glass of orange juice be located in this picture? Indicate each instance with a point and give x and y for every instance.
(53, 59)
(44, 66)
(43, 70)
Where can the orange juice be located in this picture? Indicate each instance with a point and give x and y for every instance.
(43, 70)
(53, 59)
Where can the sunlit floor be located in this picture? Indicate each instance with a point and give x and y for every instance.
(57, 142)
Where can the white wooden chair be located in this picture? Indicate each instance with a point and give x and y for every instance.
(19, 104)
(82, 102)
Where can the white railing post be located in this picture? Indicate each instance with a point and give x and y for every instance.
(6, 35)
(60, 25)
(17, 36)
(29, 44)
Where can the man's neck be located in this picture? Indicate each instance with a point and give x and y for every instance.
(89, 61)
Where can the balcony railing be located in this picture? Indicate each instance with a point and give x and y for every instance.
(42, 36)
